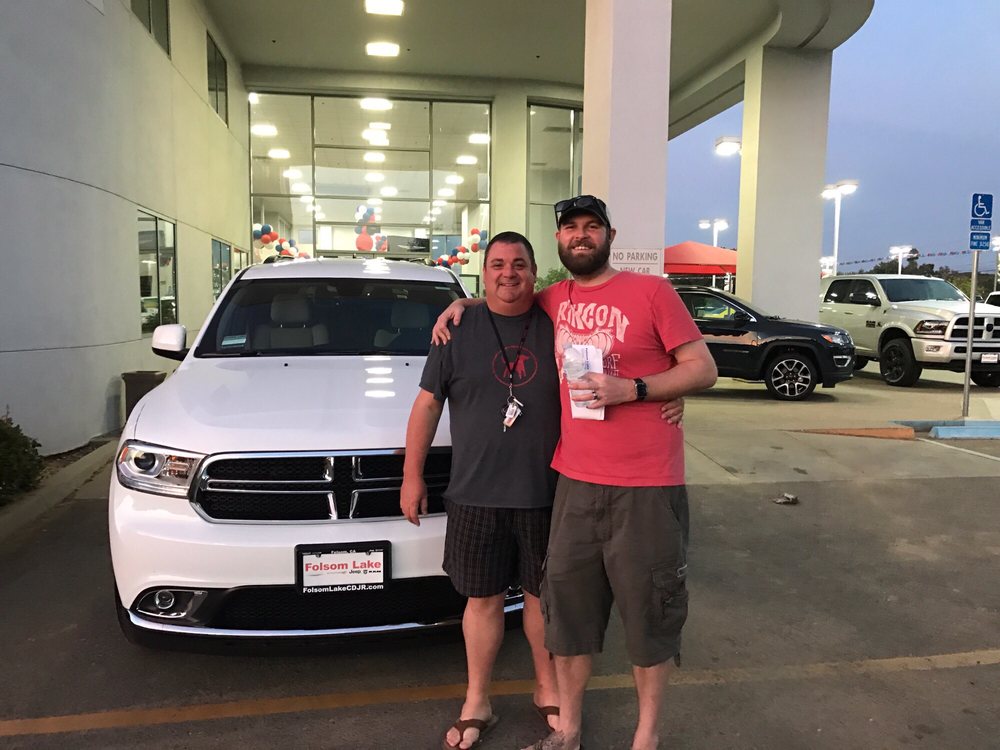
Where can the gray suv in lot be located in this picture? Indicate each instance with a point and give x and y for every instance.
(907, 323)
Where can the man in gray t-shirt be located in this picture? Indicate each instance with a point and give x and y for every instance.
(499, 378)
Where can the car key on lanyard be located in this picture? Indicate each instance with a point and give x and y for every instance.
(512, 412)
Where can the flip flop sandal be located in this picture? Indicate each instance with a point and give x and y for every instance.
(484, 726)
(544, 712)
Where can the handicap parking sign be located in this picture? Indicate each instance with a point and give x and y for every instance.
(982, 205)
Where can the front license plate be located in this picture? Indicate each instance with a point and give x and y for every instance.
(990, 359)
(330, 568)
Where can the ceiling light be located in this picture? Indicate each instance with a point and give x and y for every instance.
(300, 187)
(312, 207)
(437, 204)
(389, 192)
(375, 157)
(376, 104)
(382, 49)
(375, 137)
(306, 199)
(467, 160)
(292, 174)
(435, 212)
(384, 7)
(264, 129)
(279, 153)
(728, 145)
(374, 177)
(380, 126)
(374, 201)
(479, 138)
(454, 179)
(446, 193)
(532, 111)
(253, 97)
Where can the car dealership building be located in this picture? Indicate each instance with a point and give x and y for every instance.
(146, 145)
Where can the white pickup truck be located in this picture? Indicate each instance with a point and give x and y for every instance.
(908, 323)
(256, 491)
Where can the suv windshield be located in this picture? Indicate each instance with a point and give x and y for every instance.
(907, 290)
(316, 317)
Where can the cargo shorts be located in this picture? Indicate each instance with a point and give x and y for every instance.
(621, 544)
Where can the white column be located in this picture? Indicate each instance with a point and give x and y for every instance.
(510, 159)
(625, 115)
(785, 110)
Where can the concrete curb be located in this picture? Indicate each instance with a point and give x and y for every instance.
(958, 429)
(54, 490)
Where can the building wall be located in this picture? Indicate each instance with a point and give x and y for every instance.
(99, 123)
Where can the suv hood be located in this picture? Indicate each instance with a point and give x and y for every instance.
(945, 309)
(284, 404)
(790, 326)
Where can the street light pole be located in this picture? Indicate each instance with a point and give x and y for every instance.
(899, 252)
(716, 225)
(836, 193)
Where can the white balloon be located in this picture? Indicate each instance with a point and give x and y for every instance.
(257, 227)
(473, 239)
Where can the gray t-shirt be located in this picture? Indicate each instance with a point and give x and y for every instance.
(490, 467)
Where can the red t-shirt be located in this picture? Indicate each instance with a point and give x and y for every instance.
(637, 321)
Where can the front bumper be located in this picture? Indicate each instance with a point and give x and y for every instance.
(837, 365)
(950, 355)
(242, 575)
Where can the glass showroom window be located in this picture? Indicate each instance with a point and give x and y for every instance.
(157, 272)
(218, 80)
(398, 177)
(222, 266)
(155, 16)
(555, 149)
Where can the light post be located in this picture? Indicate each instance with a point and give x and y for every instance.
(835, 193)
(716, 225)
(728, 145)
(899, 252)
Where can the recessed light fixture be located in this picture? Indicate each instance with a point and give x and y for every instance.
(380, 125)
(374, 201)
(292, 174)
(312, 207)
(389, 192)
(532, 112)
(384, 7)
(306, 199)
(264, 129)
(454, 179)
(253, 97)
(374, 157)
(375, 137)
(382, 49)
(466, 159)
(374, 177)
(435, 212)
(437, 204)
(279, 153)
(376, 104)
(479, 138)
(446, 193)
(300, 187)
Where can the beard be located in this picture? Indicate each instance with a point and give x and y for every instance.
(586, 265)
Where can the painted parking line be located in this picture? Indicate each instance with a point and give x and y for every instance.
(127, 718)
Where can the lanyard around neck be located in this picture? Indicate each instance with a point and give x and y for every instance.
(503, 349)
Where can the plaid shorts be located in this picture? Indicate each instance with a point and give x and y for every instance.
(488, 550)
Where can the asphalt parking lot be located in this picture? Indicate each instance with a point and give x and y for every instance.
(866, 616)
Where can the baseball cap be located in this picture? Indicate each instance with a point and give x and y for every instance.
(582, 204)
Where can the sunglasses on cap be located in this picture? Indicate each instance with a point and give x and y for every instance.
(588, 203)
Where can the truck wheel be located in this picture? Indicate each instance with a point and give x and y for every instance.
(898, 365)
(790, 376)
(860, 363)
(986, 379)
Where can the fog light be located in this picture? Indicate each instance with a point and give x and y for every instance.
(932, 348)
(164, 600)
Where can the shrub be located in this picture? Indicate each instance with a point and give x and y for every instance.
(20, 464)
(551, 277)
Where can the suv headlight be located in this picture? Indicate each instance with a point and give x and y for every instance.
(838, 338)
(152, 468)
(931, 327)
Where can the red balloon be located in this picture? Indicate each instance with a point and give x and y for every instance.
(460, 249)
(280, 240)
(286, 252)
(474, 247)
(364, 240)
(474, 231)
(272, 236)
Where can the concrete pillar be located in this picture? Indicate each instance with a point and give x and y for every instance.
(509, 142)
(625, 115)
(785, 111)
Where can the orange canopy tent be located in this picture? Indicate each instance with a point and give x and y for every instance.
(693, 258)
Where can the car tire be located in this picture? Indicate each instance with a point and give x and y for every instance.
(790, 376)
(986, 379)
(861, 362)
(898, 365)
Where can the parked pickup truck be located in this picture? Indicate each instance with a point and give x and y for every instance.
(908, 323)
(256, 491)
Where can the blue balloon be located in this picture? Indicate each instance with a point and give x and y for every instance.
(266, 229)
(257, 234)
(291, 243)
(357, 230)
(454, 251)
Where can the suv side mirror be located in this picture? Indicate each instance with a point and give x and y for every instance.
(741, 316)
(170, 341)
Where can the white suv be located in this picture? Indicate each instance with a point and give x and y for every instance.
(256, 491)
(908, 323)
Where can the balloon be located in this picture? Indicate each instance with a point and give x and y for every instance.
(272, 236)
(257, 244)
(364, 241)
(291, 242)
(358, 230)
(256, 234)
(474, 237)
(286, 252)
(474, 247)
(265, 229)
(256, 227)
(304, 254)
(371, 219)
(474, 231)
(464, 261)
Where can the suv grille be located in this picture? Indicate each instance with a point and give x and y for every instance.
(312, 487)
(985, 328)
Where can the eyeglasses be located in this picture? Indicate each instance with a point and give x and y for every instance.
(583, 203)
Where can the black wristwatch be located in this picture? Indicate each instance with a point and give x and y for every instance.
(640, 389)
